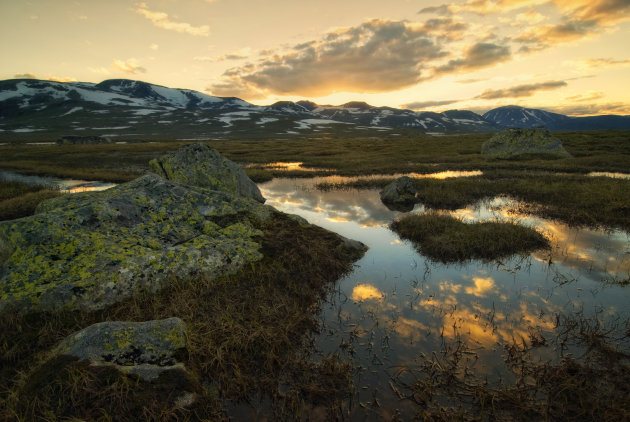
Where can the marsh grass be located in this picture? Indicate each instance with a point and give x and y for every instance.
(248, 336)
(590, 386)
(592, 151)
(20, 199)
(446, 239)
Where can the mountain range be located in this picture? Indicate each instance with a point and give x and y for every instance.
(128, 109)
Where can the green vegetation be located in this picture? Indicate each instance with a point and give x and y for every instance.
(447, 239)
(248, 339)
(20, 199)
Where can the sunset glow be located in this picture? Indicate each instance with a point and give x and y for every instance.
(563, 56)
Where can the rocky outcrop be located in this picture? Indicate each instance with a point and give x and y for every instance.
(145, 349)
(201, 165)
(513, 142)
(400, 195)
(91, 249)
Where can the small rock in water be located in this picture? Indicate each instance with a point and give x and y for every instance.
(400, 195)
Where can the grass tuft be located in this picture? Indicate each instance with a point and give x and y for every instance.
(447, 239)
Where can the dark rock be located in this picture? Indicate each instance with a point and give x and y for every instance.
(400, 195)
(201, 165)
(514, 142)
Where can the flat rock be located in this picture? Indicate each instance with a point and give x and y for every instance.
(514, 142)
(145, 349)
(201, 165)
(401, 194)
(92, 249)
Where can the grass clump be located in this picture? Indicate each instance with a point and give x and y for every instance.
(19, 200)
(447, 239)
(248, 341)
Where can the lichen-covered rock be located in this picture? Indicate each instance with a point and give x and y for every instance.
(400, 195)
(145, 349)
(514, 142)
(201, 165)
(92, 249)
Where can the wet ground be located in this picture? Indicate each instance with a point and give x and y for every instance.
(397, 304)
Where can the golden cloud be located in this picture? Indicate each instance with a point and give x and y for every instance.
(376, 56)
(128, 66)
(161, 20)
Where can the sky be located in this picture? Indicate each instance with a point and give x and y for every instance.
(566, 56)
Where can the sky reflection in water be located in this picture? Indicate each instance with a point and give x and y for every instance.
(397, 304)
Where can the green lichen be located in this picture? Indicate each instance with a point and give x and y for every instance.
(98, 248)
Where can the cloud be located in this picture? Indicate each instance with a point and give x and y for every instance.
(243, 53)
(27, 75)
(477, 56)
(482, 7)
(376, 56)
(596, 63)
(128, 66)
(445, 27)
(154, 47)
(419, 105)
(443, 10)
(581, 18)
(526, 90)
(545, 35)
(61, 79)
(161, 20)
(592, 109)
(587, 96)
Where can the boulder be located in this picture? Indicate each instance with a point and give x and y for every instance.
(514, 142)
(400, 195)
(145, 349)
(88, 250)
(201, 165)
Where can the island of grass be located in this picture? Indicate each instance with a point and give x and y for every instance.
(446, 239)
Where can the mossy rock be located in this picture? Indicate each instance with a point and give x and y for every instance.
(92, 249)
(145, 348)
(514, 142)
(202, 165)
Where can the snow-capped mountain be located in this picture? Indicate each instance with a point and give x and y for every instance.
(365, 114)
(31, 93)
(130, 109)
(514, 116)
(521, 117)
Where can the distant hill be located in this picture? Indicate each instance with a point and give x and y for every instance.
(125, 109)
(521, 117)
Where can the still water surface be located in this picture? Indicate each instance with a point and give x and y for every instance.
(397, 304)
